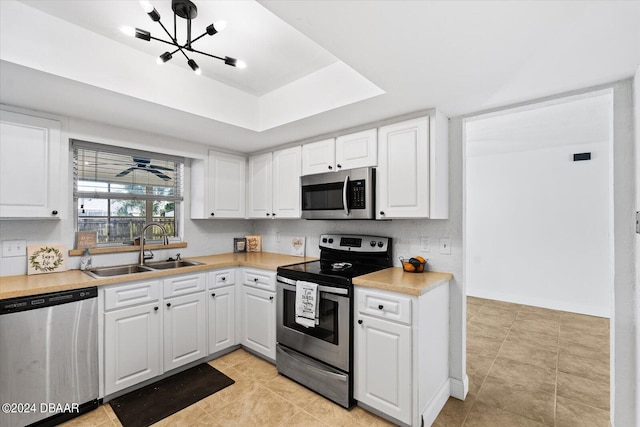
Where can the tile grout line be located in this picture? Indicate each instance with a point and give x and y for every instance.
(492, 363)
(555, 394)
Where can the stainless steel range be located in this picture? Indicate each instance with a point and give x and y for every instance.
(320, 356)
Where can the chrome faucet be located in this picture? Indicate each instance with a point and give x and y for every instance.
(165, 239)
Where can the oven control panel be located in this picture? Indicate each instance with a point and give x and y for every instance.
(354, 243)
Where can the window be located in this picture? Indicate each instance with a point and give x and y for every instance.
(117, 191)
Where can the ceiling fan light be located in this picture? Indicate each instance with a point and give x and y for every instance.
(230, 61)
(142, 34)
(194, 66)
(164, 57)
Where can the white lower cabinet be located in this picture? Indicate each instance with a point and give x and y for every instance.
(146, 334)
(185, 330)
(258, 311)
(401, 346)
(222, 310)
(132, 346)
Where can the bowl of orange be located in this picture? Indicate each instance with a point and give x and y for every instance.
(413, 264)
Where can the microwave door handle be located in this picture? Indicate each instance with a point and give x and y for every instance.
(344, 195)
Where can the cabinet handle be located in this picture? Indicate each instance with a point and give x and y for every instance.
(213, 295)
(360, 322)
(155, 308)
(268, 214)
(54, 212)
(339, 165)
(168, 304)
(380, 307)
(213, 214)
(223, 278)
(255, 279)
(273, 214)
(381, 212)
(330, 167)
(270, 298)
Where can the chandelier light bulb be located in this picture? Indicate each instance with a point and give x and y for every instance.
(146, 6)
(241, 64)
(220, 25)
(127, 30)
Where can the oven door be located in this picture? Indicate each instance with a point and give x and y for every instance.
(329, 340)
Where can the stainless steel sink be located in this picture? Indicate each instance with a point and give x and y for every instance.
(121, 270)
(164, 265)
(118, 270)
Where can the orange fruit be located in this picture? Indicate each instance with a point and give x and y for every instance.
(419, 258)
(408, 266)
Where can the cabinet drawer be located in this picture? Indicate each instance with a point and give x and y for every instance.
(385, 305)
(130, 294)
(220, 278)
(260, 279)
(182, 285)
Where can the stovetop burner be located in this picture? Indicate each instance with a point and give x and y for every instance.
(339, 266)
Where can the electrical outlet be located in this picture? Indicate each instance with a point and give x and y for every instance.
(13, 248)
(425, 244)
(638, 222)
(445, 245)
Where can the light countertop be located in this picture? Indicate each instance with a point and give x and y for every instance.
(394, 279)
(391, 279)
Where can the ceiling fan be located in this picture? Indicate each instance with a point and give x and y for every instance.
(142, 163)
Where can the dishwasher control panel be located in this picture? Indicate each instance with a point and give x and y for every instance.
(15, 305)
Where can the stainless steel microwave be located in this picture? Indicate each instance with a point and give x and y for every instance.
(346, 194)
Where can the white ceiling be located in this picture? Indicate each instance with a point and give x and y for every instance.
(460, 57)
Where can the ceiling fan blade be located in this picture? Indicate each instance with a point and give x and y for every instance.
(160, 168)
(159, 174)
(126, 172)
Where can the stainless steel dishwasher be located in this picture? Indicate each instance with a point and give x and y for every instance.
(48, 357)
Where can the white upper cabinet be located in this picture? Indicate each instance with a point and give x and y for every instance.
(260, 199)
(319, 157)
(274, 184)
(33, 160)
(356, 150)
(412, 174)
(218, 186)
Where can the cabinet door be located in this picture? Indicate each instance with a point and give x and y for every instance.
(226, 185)
(287, 168)
(260, 186)
(185, 330)
(34, 167)
(357, 150)
(318, 157)
(222, 325)
(133, 351)
(403, 170)
(382, 365)
(259, 321)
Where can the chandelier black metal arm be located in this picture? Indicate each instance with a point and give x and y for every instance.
(186, 10)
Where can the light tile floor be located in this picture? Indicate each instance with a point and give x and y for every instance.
(527, 367)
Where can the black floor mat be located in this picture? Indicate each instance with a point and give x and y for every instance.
(156, 401)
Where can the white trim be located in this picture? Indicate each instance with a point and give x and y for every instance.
(459, 388)
(437, 403)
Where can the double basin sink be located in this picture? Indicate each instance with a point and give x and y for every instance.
(121, 270)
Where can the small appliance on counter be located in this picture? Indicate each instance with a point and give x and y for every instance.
(320, 356)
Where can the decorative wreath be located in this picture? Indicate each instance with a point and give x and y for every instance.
(52, 258)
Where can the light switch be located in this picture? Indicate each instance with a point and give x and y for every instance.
(13, 248)
(425, 244)
(445, 245)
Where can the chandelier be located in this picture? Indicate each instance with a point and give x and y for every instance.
(187, 10)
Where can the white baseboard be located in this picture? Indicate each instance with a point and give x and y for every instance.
(437, 403)
(540, 302)
(459, 388)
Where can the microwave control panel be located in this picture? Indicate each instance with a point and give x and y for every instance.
(357, 192)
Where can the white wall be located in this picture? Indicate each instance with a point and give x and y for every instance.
(538, 223)
(203, 236)
(636, 109)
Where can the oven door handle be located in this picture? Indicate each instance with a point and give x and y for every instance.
(345, 201)
(321, 288)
